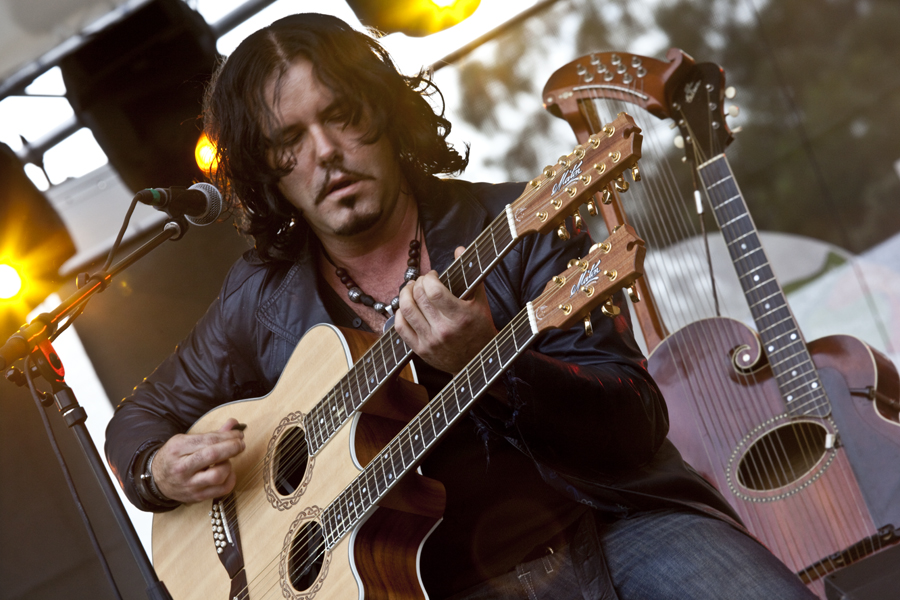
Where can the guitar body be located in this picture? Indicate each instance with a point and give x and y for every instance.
(280, 487)
(802, 494)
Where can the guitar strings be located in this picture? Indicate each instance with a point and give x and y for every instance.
(296, 445)
(454, 277)
(506, 339)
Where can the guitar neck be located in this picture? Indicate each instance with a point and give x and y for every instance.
(783, 343)
(390, 353)
(404, 452)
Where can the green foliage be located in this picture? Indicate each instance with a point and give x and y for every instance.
(818, 83)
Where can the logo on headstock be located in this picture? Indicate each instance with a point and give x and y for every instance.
(568, 177)
(690, 90)
(587, 277)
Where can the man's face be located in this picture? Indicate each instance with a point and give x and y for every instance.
(342, 186)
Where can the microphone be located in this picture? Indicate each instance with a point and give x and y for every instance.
(200, 204)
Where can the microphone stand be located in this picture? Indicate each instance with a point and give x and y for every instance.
(33, 340)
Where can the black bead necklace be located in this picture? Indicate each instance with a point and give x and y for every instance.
(355, 293)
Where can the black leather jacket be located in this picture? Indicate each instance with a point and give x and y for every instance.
(583, 409)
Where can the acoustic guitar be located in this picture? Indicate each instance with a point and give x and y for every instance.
(306, 435)
(337, 543)
(801, 439)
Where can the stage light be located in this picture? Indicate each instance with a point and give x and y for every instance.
(10, 282)
(205, 155)
(416, 18)
(34, 242)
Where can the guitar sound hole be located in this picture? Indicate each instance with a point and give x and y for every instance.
(291, 457)
(306, 557)
(782, 456)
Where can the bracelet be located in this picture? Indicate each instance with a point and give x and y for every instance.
(150, 485)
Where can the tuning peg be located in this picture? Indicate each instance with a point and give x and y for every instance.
(633, 294)
(577, 262)
(592, 207)
(563, 162)
(606, 196)
(577, 221)
(588, 326)
(730, 92)
(562, 232)
(578, 152)
(679, 142)
(635, 172)
(621, 184)
(611, 274)
(535, 183)
(609, 309)
(605, 247)
(549, 172)
(734, 110)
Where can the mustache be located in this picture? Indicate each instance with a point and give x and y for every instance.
(330, 176)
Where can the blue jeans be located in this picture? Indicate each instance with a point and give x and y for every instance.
(660, 555)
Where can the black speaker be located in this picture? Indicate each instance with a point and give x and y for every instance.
(876, 577)
(138, 85)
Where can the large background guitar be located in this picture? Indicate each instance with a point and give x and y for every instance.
(327, 548)
(797, 437)
(296, 438)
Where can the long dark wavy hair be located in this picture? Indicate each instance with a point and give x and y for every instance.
(360, 73)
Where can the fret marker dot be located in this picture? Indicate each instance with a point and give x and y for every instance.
(372, 380)
(743, 246)
(390, 476)
(398, 341)
(415, 437)
(490, 360)
(768, 305)
(794, 373)
(814, 385)
(462, 389)
(771, 348)
(790, 397)
(470, 264)
(793, 336)
(746, 358)
(756, 278)
(364, 489)
(437, 414)
(322, 420)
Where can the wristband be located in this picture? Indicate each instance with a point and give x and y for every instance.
(149, 487)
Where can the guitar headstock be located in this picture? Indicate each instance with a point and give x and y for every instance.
(591, 281)
(697, 108)
(562, 188)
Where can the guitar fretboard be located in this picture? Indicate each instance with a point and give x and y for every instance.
(408, 447)
(390, 353)
(783, 343)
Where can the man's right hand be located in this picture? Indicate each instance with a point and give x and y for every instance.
(196, 466)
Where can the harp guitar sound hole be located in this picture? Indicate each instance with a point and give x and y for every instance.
(291, 458)
(782, 456)
(306, 556)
